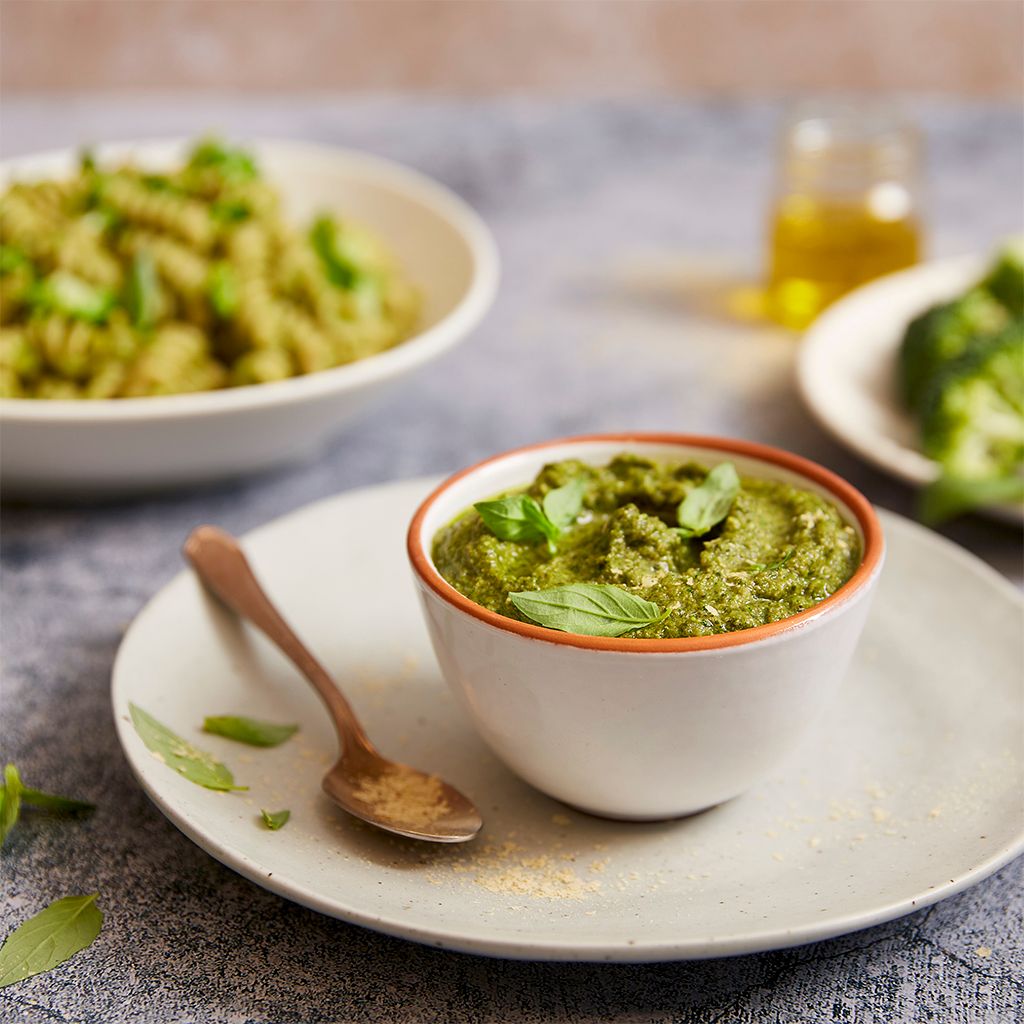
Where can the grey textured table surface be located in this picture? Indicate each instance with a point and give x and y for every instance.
(614, 220)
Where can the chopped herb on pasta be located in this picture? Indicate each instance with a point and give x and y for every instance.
(122, 283)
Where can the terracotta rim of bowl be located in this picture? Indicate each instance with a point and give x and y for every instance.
(874, 545)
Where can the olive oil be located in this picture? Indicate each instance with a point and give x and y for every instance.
(821, 248)
(846, 205)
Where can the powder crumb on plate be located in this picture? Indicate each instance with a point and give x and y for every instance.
(597, 866)
(983, 951)
(778, 856)
(934, 812)
(814, 842)
(879, 814)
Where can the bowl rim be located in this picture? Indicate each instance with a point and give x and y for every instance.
(859, 506)
(417, 349)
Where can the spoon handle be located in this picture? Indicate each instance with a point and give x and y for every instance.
(224, 569)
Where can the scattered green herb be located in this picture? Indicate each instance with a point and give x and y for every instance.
(230, 211)
(196, 765)
(222, 288)
(339, 268)
(54, 935)
(249, 730)
(14, 794)
(10, 802)
(87, 161)
(143, 291)
(232, 163)
(275, 819)
(11, 258)
(63, 292)
(769, 566)
(707, 505)
(592, 609)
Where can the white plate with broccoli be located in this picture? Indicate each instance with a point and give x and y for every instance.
(922, 374)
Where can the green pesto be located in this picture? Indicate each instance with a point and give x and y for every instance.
(780, 550)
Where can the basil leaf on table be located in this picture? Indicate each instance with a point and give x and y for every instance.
(563, 504)
(591, 609)
(707, 505)
(249, 730)
(54, 935)
(196, 765)
(10, 801)
(275, 819)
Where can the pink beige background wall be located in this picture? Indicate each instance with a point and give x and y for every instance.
(732, 47)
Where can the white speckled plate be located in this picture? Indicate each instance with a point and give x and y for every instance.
(847, 359)
(908, 792)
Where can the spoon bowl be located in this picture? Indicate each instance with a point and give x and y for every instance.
(390, 795)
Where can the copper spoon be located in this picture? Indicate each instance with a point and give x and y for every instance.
(384, 793)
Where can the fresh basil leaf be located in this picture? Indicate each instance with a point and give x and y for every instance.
(249, 730)
(159, 183)
(563, 504)
(222, 287)
(196, 765)
(592, 609)
(87, 161)
(275, 819)
(707, 505)
(951, 496)
(63, 292)
(10, 801)
(56, 804)
(339, 268)
(142, 294)
(54, 935)
(517, 517)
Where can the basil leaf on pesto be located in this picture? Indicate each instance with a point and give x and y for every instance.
(563, 504)
(196, 765)
(591, 609)
(54, 935)
(249, 730)
(707, 505)
(517, 517)
(275, 819)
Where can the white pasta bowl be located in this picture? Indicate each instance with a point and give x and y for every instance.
(130, 445)
(632, 728)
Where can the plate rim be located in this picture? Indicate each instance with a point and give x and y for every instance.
(540, 949)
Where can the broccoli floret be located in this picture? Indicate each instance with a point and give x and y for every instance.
(1005, 279)
(973, 413)
(942, 334)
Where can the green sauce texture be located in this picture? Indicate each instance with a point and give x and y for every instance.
(779, 551)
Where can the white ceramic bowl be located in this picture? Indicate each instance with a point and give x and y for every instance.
(630, 728)
(138, 444)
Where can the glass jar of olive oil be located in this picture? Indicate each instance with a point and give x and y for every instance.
(846, 206)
